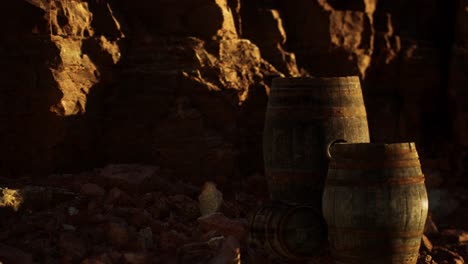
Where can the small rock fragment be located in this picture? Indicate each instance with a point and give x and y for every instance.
(68, 227)
(215, 242)
(71, 247)
(229, 253)
(430, 227)
(454, 236)
(118, 197)
(426, 243)
(72, 211)
(197, 252)
(10, 198)
(184, 206)
(223, 225)
(210, 199)
(132, 178)
(117, 234)
(171, 239)
(427, 259)
(92, 190)
(441, 254)
(13, 255)
(136, 258)
(145, 239)
(101, 259)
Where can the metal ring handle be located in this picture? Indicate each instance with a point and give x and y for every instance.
(330, 144)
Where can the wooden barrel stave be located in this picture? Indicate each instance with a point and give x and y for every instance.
(303, 116)
(375, 212)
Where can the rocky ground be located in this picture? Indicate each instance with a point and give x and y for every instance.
(141, 214)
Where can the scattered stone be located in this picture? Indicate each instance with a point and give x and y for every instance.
(141, 219)
(34, 197)
(145, 239)
(132, 178)
(72, 247)
(223, 225)
(101, 259)
(160, 209)
(118, 197)
(171, 239)
(426, 243)
(92, 190)
(136, 258)
(10, 198)
(155, 227)
(158, 226)
(430, 227)
(229, 252)
(116, 256)
(444, 255)
(210, 199)
(184, 206)
(68, 227)
(117, 234)
(454, 236)
(215, 242)
(72, 211)
(197, 252)
(13, 255)
(425, 259)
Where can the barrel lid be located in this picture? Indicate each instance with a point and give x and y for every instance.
(303, 231)
(315, 81)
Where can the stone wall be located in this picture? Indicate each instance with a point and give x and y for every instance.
(184, 84)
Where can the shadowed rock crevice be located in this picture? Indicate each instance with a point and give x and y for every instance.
(184, 84)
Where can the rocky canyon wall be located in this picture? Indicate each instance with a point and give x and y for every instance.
(184, 84)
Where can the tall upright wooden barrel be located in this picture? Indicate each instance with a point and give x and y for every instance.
(288, 232)
(375, 203)
(303, 115)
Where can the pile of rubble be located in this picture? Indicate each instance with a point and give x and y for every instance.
(140, 214)
(448, 246)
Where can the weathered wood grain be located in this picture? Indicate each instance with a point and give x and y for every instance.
(303, 115)
(288, 233)
(375, 203)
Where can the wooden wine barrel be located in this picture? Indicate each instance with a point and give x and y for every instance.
(303, 115)
(375, 203)
(286, 232)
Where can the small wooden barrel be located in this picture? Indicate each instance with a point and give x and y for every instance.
(375, 203)
(288, 233)
(303, 115)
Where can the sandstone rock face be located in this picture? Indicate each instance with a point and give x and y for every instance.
(265, 27)
(186, 103)
(429, 24)
(327, 41)
(56, 40)
(184, 84)
(71, 30)
(208, 19)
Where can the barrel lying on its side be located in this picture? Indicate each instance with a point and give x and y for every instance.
(287, 232)
(303, 115)
(375, 203)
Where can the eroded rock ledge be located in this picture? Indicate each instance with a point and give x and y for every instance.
(184, 84)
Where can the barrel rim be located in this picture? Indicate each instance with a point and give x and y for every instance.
(386, 144)
(313, 81)
(403, 151)
(365, 146)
